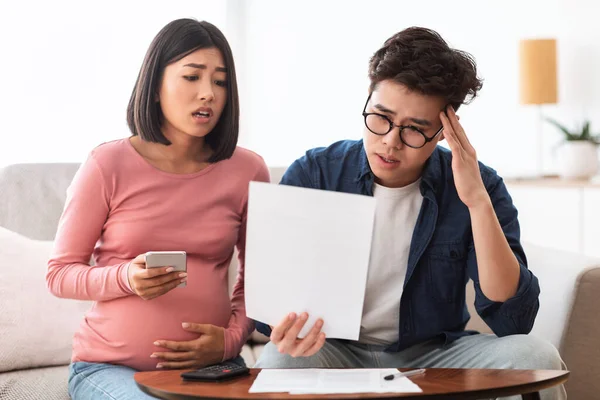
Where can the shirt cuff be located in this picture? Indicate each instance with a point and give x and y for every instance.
(527, 293)
(124, 275)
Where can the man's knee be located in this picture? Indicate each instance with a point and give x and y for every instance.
(526, 352)
(272, 358)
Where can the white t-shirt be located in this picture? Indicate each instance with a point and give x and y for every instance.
(395, 219)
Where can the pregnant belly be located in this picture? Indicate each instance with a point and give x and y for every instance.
(128, 327)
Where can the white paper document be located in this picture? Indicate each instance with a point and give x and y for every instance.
(308, 251)
(326, 381)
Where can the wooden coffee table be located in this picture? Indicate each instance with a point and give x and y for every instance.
(438, 383)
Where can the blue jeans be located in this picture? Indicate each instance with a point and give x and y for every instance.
(107, 381)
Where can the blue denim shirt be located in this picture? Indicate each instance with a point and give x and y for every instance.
(442, 254)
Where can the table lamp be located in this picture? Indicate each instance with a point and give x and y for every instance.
(538, 82)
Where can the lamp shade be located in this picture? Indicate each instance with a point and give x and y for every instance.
(538, 71)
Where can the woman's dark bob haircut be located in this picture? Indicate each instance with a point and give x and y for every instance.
(175, 41)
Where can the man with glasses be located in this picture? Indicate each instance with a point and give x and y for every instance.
(442, 218)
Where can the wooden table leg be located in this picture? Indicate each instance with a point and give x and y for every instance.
(531, 396)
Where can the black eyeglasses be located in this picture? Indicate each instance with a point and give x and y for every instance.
(410, 135)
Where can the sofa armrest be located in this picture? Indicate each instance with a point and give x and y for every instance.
(580, 344)
(568, 315)
(558, 273)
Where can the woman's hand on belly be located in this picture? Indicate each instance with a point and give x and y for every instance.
(206, 350)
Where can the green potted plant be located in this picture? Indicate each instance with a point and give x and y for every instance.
(578, 156)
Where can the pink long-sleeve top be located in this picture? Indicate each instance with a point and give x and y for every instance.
(119, 206)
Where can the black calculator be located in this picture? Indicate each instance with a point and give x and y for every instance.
(216, 373)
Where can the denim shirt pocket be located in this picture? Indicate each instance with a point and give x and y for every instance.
(446, 264)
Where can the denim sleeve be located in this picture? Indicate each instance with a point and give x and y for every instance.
(263, 328)
(517, 314)
(296, 175)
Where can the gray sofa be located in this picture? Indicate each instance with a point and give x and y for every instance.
(36, 329)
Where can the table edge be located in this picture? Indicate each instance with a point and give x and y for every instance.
(470, 395)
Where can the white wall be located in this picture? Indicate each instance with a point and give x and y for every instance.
(67, 69)
(308, 63)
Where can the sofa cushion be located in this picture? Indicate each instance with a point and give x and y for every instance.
(33, 196)
(257, 350)
(34, 384)
(36, 328)
(248, 355)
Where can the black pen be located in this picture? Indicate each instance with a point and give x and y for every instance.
(407, 373)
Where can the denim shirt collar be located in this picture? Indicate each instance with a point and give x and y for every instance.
(431, 172)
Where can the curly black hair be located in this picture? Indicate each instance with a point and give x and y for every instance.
(422, 61)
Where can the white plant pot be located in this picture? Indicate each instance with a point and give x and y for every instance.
(578, 159)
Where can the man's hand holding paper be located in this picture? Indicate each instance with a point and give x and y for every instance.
(285, 336)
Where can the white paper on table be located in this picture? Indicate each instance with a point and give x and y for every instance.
(308, 251)
(328, 381)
